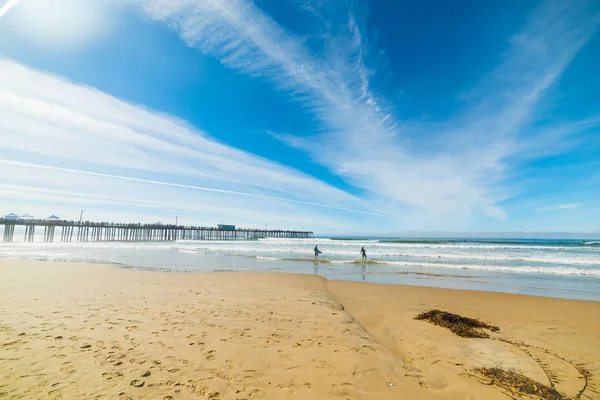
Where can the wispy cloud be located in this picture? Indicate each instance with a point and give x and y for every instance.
(179, 185)
(123, 151)
(559, 207)
(127, 207)
(458, 172)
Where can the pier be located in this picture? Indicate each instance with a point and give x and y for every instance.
(72, 231)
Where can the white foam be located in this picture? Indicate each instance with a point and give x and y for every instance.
(551, 260)
(268, 258)
(528, 269)
(572, 257)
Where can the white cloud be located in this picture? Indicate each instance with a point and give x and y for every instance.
(177, 185)
(559, 207)
(457, 172)
(125, 153)
(568, 206)
(454, 174)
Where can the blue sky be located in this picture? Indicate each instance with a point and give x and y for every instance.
(335, 116)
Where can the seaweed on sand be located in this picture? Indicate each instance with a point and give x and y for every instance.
(462, 326)
(518, 384)
(513, 384)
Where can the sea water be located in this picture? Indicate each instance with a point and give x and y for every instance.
(555, 268)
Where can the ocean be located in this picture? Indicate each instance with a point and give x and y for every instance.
(554, 268)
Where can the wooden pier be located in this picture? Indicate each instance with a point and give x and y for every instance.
(70, 231)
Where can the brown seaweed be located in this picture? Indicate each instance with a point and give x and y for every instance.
(462, 326)
(518, 384)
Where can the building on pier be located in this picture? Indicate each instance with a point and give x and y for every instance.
(11, 217)
(226, 227)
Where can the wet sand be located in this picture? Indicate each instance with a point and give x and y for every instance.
(80, 331)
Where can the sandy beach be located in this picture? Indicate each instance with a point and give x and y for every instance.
(82, 331)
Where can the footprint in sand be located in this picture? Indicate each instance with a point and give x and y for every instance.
(113, 359)
(131, 328)
(173, 370)
(223, 375)
(137, 383)
(210, 355)
(249, 373)
(111, 375)
(251, 394)
(67, 368)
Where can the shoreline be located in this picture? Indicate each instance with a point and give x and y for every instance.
(468, 282)
(71, 330)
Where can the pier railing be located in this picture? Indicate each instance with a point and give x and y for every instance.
(70, 231)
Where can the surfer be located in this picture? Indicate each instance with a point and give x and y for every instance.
(363, 252)
(317, 251)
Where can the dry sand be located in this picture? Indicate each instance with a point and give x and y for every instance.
(80, 331)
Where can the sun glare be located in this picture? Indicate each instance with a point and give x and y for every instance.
(63, 24)
(7, 6)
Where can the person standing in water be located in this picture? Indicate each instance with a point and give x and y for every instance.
(363, 252)
(317, 251)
